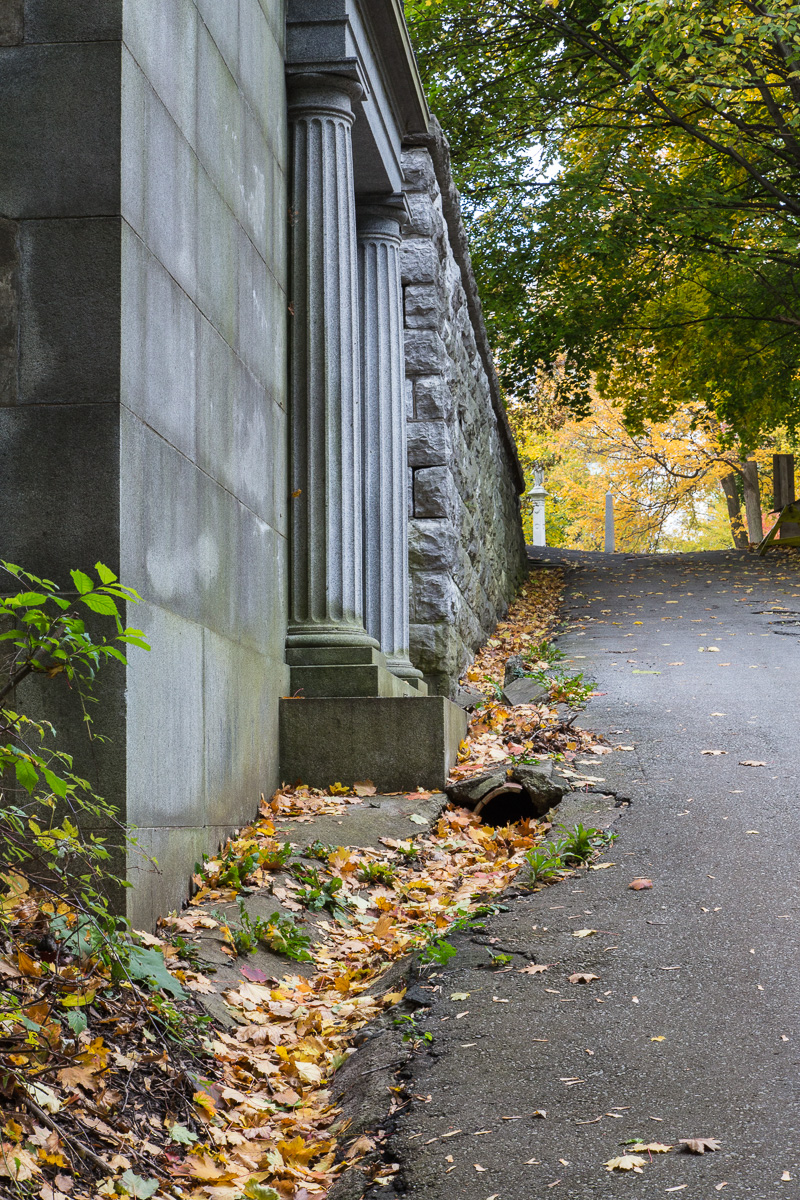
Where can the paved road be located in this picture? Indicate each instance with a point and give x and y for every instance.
(706, 961)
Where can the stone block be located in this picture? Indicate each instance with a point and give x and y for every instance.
(433, 400)
(72, 20)
(220, 123)
(12, 22)
(400, 744)
(432, 545)
(428, 444)
(419, 262)
(218, 241)
(434, 598)
(434, 493)
(69, 325)
(348, 680)
(9, 328)
(425, 352)
(222, 22)
(525, 691)
(60, 130)
(261, 68)
(159, 347)
(241, 693)
(163, 39)
(421, 219)
(170, 172)
(423, 306)
(74, 520)
(419, 172)
(165, 775)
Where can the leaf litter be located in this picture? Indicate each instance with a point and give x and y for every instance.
(130, 1089)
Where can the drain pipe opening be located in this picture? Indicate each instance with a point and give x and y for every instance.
(505, 805)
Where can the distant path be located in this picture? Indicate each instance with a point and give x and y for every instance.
(724, 910)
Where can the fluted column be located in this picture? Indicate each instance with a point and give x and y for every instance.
(326, 556)
(384, 434)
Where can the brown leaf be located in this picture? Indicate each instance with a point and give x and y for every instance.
(651, 1148)
(700, 1145)
(751, 762)
(582, 977)
(639, 885)
(714, 752)
(534, 969)
(365, 787)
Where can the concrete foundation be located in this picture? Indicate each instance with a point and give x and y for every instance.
(400, 744)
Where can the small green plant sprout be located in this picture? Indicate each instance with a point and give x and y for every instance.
(543, 863)
(377, 872)
(573, 690)
(438, 953)
(543, 652)
(278, 933)
(242, 860)
(319, 894)
(408, 851)
(493, 689)
(500, 960)
(579, 844)
(319, 851)
(411, 1033)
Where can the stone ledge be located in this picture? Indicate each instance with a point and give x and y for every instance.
(400, 744)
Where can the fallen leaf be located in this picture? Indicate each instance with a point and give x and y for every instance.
(751, 762)
(679, 1187)
(583, 932)
(478, 1167)
(541, 1113)
(661, 1038)
(640, 885)
(497, 1000)
(626, 1162)
(651, 1147)
(700, 1145)
(364, 787)
(582, 977)
(418, 820)
(534, 969)
(713, 751)
(785, 1177)
(460, 996)
(719, 1186)
(601, 866)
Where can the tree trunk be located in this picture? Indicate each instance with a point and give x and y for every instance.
(752, 500)
(728, 484)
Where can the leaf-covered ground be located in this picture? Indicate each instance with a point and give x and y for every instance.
(113, 1088)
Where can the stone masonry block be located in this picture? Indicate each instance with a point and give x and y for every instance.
(8, 312)
(419, 172)
(421, 221)
(12, 22)
(432, 545)
(434, 598)
(419, 262)
(69, 311)
(425, 352)
(59, 132)
(428, 444)
(433, 400)
(72, 20)
(434, 492)
(423, 306)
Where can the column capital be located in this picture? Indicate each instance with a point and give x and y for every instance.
(314, 93)
(382, 216)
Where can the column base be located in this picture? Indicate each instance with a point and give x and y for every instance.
(401, 744)
(317, 671)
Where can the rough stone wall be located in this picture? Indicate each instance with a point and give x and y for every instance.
(467, 552)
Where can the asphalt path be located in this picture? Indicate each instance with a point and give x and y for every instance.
(691, 1029)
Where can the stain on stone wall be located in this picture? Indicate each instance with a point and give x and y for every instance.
(467, 552)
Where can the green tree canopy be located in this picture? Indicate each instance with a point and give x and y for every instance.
(630, 177)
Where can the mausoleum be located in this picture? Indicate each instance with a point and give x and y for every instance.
(243, 362)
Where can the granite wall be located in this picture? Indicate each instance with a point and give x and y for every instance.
(467, 552)
(143, 313)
